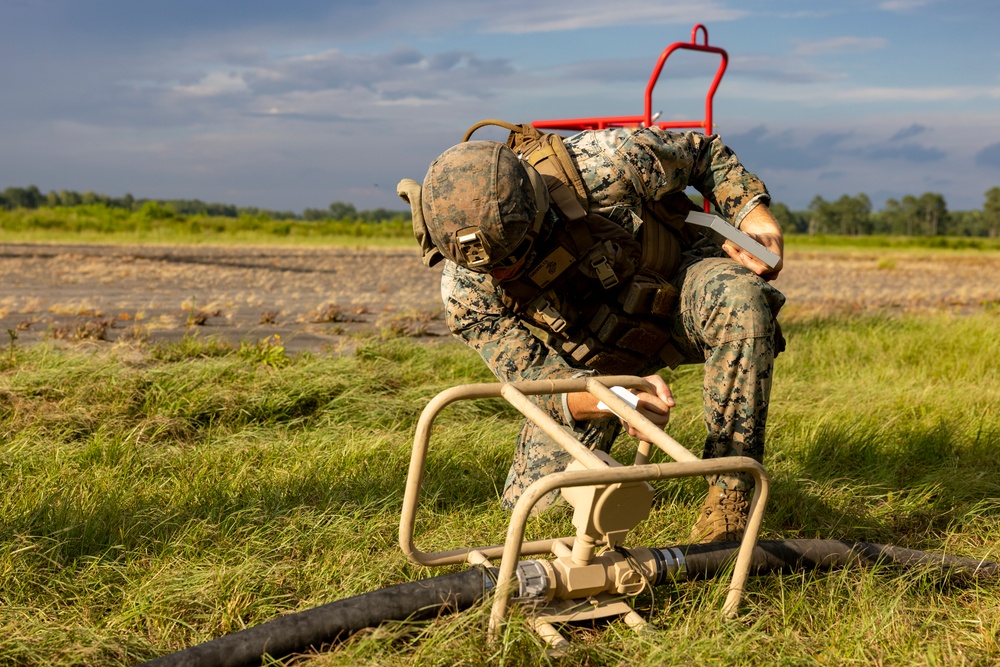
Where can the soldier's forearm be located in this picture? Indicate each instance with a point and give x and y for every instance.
(583, 407)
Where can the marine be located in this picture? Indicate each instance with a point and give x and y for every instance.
(570, 256)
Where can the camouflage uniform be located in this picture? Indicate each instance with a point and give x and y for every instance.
(725, 317)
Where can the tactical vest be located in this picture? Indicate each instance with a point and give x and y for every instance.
(601, 295)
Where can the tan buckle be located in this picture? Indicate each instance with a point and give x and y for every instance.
(472, 246)
(604, 272)
(551, 316)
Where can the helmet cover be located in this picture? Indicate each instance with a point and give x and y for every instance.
(478, 203)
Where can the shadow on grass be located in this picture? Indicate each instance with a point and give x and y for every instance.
(904, 484)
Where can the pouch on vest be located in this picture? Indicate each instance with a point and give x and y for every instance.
(664, 231)
(649, 295)
(586, 350)
(552, 313)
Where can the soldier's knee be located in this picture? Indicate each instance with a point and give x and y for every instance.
(738, 304)
(747, 298)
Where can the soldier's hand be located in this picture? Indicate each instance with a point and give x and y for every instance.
(654, 406)
(762, 227)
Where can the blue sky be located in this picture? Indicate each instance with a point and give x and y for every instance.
(295, 104)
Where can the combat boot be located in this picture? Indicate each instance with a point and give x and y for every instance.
(723, 517)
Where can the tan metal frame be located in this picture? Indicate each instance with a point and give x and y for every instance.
(596, 472)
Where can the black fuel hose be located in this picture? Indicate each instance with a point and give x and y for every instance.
(324, 625)
(700, 561)
(450, 593)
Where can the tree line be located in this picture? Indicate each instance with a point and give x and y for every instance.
(926, 215)
(33, 198)
(339, 210)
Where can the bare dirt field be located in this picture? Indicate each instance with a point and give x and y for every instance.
(317, 298)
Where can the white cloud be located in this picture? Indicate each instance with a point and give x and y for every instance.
(798, 159)
(528, 16)
(779, 69)
(903, 5)
(839, 45)
(215, 83)
(825, 94)
(930, 94)
(329, 85)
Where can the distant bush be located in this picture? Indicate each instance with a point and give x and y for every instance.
(898, 242)
(161, 221)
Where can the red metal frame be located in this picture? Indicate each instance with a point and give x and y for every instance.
(646, 120)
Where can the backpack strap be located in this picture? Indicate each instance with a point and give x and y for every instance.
(546, 152)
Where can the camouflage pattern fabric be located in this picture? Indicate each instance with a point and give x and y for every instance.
(538, 455)
(624, 168)
(725, 319)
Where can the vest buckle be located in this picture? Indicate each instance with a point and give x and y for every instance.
(551, 317)
(604, 272)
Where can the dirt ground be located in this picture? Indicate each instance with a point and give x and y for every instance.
(316, 298)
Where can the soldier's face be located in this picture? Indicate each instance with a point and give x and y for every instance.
(509, 272)
(512, 265)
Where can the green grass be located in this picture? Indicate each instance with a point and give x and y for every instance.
(884, 242)
(160, 497)
(156, 224)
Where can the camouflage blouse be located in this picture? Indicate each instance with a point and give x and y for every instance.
(621, 169)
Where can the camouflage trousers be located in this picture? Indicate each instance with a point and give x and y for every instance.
(725, 320)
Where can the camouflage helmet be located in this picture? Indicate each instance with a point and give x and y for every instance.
(481, 203)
